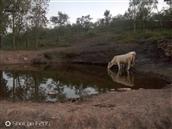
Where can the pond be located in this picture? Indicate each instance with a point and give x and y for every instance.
(69, 82)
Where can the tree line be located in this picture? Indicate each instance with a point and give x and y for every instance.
(19, 17)
(24, 23)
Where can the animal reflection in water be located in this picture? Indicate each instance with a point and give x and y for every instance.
(122, 77)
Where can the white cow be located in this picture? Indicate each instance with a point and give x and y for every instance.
(126, 59)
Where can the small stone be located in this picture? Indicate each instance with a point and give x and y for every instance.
(25, 58)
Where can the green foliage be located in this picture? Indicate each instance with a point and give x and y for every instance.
(91, 33)
(60, 20)
(107, 16)
(31, 33)
(84, 22)
(140, 10)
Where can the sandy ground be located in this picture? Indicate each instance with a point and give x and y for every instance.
(141, 109)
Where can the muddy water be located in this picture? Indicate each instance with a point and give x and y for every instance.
(69, 82)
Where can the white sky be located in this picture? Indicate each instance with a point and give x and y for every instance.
(96, 8)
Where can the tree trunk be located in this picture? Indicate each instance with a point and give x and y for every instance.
(0, 41)
(0, 32)
(14, 86)
(1, 85)
(134, 26)
(144, 25)
(14, 44)
(36, 96)
(27, 43)
(36, 37)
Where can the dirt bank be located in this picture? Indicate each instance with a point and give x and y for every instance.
(152, 56)
(92, 53)
(141, 109)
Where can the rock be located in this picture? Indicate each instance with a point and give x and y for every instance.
(52, 93)
(25, 59)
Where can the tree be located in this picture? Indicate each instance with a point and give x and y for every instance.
(4, 90)
(38, 13)
(84, 22)
(4, 4)
(107, 16)
(37, 17)
(141, 9)
(169, 2)
(17, 10)
(61, 19)
(145, 10)
(22, 15)
(132, 12)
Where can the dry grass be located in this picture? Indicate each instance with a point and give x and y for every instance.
(142, 109)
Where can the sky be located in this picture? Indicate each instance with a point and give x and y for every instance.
(96, 8)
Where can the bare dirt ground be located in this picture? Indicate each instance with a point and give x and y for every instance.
(24, 56)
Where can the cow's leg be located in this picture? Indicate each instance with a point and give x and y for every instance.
(129, 65)
(119, 67)
(133, 61)
(128, 75)
(118, 74)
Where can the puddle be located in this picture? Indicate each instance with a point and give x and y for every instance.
(72, 82)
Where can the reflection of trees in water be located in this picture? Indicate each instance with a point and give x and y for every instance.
(4, 90)
(36, 86)
(25, 86)
(62, 83)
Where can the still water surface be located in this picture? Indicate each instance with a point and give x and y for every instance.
(69, 82)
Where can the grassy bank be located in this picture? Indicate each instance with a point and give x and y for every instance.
(93, 36)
